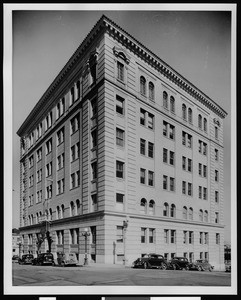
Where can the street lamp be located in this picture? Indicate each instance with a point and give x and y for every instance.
(125, 225)
(86, 233)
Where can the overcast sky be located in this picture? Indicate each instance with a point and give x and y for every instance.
(197, 44)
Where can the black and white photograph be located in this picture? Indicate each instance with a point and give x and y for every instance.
(120, 149)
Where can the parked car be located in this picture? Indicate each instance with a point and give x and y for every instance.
(25, 259)
(64, 259)
(150, 260)
(15, 258)
(43, 259)
(179, 263)
(201, 265)
(228, 267)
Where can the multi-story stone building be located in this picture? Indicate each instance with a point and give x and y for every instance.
(125, 147)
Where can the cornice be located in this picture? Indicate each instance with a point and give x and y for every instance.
(106, 25)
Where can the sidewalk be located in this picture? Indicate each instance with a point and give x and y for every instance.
(103, 266)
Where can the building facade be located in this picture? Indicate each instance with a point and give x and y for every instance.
(125, 148)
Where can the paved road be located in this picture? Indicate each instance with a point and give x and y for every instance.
(28, 275)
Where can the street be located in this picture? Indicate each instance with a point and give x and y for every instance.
(104, 275)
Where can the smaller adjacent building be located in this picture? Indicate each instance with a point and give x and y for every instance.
(16, 241)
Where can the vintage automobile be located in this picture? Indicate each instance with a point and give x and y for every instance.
(64, 259)
(25, 259)
(43, 259)
(150, 260)
(15, 258)
(179, 263)
(201, 265)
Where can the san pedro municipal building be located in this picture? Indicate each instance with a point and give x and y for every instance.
(123, 147)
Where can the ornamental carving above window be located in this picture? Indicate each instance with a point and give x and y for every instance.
(121, 53)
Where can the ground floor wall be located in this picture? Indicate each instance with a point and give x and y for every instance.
(119, 239)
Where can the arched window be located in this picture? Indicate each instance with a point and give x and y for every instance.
(78, 207)
(58, 213)
(143, 206)
(143, 85)
(72, 209)
(184, 212)
(62, 211)
(173, 211)
(199, 121)
(190, 213)
(205, 216)
(172, 104)
(205, 124)
(165, 101)
(184, 112)
(151, 91)
(166, 210)
(201, 215)
(37, 218)
(190, 115)
(152, 207)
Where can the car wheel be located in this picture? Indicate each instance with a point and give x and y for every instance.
(163, 266)
(145, 265)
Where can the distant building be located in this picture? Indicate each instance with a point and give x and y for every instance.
(124, 146)
(15, 241)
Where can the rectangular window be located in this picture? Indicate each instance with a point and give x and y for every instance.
(217, 238)
(49, 192)
(204, 149)
(216, 154)
(120, 71)
(205, 171)
(171, 159)
(200, 192)
(120, 137)
(94, 171)
(200, 169)
(201, 238)
(60, 186)
(74, 124)
(120, 105)
(216, 196)
(184, 187)
(75, 179)
(189, 189)
(216, 176)
(171, 132)
(39, 154)
(205, 193)
(94, 202)
(165, 125)
(206, 238)
(119, 169)
(150, 123)
(172, 184)
(49, 146)
(142, 146)
(216, 217)
(164, 155)
(142, 176)
(189, 165)
(143, 235)
(120, 201)
(94, 138)
(151, 235)
(184, 138)
(216, 133)
(142, 117)
(150, 149)
(49, 169)
(166, 236)
(164, 182)
(150, 178)
(173, 236)
(184, 163)
(119, 234)
(191, 237)
(184, 237)
(60, 136)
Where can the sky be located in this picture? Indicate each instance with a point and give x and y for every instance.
(197, 44)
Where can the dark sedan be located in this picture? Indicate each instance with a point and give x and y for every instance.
(25, 259)
(179, 263)
(201, 265)
(150, 260)
(43, 259)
